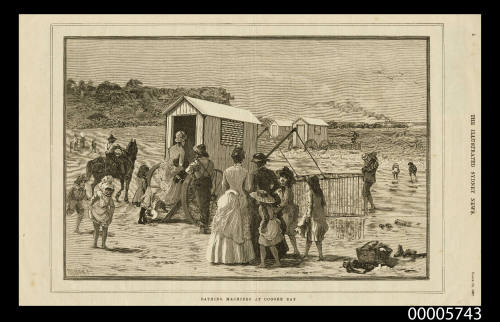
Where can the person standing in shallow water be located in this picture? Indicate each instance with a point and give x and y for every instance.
(369, 170)
(264, 179)
(395, 171)
(412, 169)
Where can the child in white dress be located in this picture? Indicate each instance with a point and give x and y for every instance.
(270, 227)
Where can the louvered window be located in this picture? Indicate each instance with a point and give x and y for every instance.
(231, 133)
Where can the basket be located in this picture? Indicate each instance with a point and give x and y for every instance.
(374, 252)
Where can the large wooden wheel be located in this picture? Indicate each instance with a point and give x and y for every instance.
(189, 202)
(153, 177)
(153, 181)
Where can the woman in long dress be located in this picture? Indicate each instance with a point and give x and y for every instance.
(230, 240)
(173, 164)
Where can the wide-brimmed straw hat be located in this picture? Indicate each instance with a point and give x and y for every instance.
(180, 136)
(111, 138)
(259, 157)
(262, 196)
(201, 150)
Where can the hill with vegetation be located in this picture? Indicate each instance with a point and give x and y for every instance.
(111, 105)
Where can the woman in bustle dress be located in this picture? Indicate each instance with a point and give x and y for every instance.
(230, 240)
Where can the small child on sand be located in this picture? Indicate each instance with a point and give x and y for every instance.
(102, 208)
(270, 227)
(75, 200)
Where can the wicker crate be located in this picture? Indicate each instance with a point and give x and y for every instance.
(374, 252)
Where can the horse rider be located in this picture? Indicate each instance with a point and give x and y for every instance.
(113, 152)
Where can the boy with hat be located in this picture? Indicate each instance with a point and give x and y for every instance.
(202, 170)
(264, 179)
(75, 200)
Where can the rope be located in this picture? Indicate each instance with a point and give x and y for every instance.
(305, 148)
(288, 163)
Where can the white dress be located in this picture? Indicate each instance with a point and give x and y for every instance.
(230, 241)
(169, 168)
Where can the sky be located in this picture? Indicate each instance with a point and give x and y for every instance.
(277, 78)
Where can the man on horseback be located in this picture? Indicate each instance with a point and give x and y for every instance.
(113, 153)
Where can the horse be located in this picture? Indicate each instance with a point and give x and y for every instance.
(99, 168)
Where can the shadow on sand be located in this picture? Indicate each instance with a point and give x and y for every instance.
(124, 250)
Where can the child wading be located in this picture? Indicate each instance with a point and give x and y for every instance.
(313, 225)
(202, 170)
(141, 185)
(102, 208)
(395, 171)
(287, 207)
(75, 200)
(270, 227)
(412, 169)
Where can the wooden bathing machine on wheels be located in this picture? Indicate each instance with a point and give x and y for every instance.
(221, 128)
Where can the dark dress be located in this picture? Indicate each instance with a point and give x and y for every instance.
(265, 179)
(369, 179)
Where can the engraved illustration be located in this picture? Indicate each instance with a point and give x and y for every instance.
(280, 158)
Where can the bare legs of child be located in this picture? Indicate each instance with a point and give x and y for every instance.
(104, 237)
(274, 251)
(79, 219)
(96, 235)
(319, 246)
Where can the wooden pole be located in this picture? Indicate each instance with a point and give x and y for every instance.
(265, 129)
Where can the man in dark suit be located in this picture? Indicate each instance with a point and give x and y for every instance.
(264, 179)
